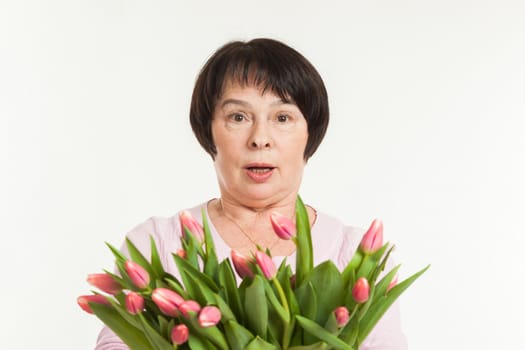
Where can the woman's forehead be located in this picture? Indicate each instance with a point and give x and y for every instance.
(236, 86)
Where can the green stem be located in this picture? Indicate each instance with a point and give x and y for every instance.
(287, 329)
(360, 265)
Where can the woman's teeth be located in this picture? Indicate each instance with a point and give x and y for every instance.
(260, 170)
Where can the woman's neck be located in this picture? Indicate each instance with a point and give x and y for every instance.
(246, 214)
(243, 228)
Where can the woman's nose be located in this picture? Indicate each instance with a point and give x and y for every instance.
(260, 137)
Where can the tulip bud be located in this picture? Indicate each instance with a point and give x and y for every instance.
(187, 221)
(104, 282)
(84, 300)
(373, 238)
(341, 316)
(167, 300)
(181, 253)
(266, 264)
(293, 279)
(209, 316)
(134, 303)
(180, 334)
(283, 226)
(392, 283)
(138, 275)
(361, 290)
(242, 264)
(187, 306)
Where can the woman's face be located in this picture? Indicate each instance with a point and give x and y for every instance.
(260, 142)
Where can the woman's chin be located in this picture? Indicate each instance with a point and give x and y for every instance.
(262, 196)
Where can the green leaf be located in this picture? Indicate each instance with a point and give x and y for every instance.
(157, 340)
(350, 331)
(382, 285)
(226, 311)
(165, 326)
(238, 337)
(304, 262)
(124, 282)
(331, 324)
(284, 279)
(316, 346)
(197, 343)
(307, 299)
(212, 334)
(256, 307)
(381, 305)
(183, 264)
(132, 336)
(129, 318)
(118, 255)
(229, 284)
(210, 262)
(370, 262)
(120, 260)
(156, 264)
(137, 257)
(274, 302)
(322, 334)
(350, 270)
(380, 267)
(175, 284)
(328, 285)
(198, 285)
(260, 344)
(192, 248)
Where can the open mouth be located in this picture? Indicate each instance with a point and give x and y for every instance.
(260, 170)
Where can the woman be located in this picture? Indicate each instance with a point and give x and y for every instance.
(260, 109)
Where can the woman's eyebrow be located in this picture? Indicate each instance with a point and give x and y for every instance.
(234, 101)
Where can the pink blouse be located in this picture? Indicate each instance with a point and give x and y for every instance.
(331, 241)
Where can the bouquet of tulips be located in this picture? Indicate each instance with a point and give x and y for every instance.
(313, 307)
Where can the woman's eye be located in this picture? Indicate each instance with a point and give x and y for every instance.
(238, 117)
(282, 118)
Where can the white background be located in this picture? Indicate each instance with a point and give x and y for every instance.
(427, 100)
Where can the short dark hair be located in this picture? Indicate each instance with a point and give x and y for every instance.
(271, 65)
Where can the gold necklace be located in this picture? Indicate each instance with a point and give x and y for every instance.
(269, 247)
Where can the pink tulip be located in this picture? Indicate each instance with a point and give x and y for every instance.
(283, 226)
(373, 238)
(188, 221)
(180, 334)
(134, 303)
(242, 264)
(209, 316)
(167, 300)
(392, 283)
(187, 306)
(361, 290)
(138, 275)
(84, 300)
(341, 316)
(104, 282)
(266, 264)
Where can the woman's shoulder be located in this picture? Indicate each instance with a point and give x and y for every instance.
(335, 240)
(162, 226)
(328, 223)
(165, 231)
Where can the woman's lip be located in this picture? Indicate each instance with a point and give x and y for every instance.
(259, 165)
(259, 177)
